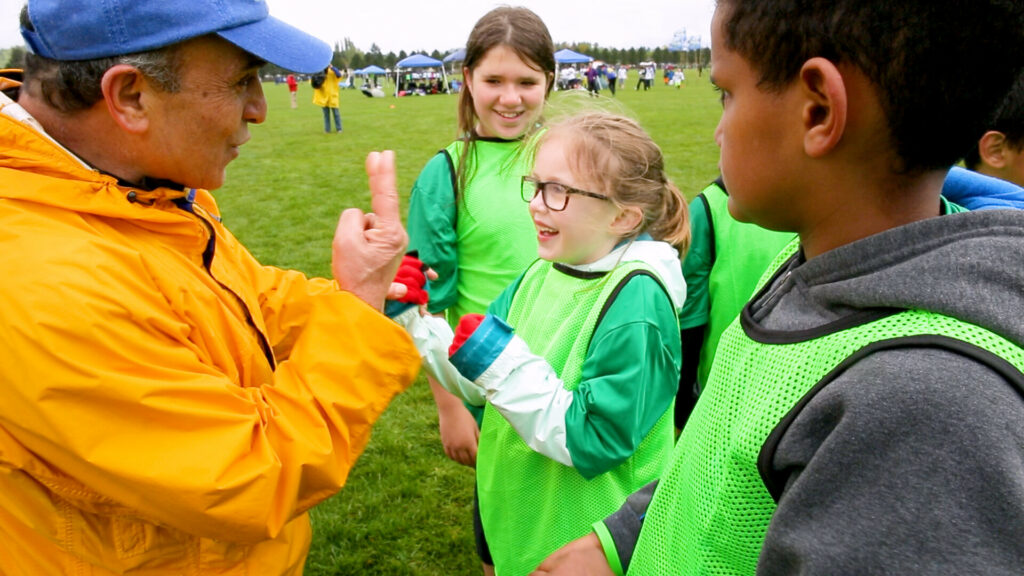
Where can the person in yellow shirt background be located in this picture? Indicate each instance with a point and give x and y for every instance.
(325, 95)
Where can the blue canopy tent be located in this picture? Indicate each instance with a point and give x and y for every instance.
(419, 61)
(566, 56)
(456, 56)
(371, 70)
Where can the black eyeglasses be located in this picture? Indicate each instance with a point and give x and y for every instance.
(554, 195)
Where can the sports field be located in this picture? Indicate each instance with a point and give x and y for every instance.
(406, 508)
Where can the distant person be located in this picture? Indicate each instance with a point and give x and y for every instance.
(863, 415)
(612, 77)
(325, 95)
(576, 363)
(466, 219)
(623, 74)
(566, 77)
(679, 78)
(592, 86)
(170, 405)
(293, 87)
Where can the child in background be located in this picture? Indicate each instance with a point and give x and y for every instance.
(577, 361)
(725, 260)
(1000, 150)
(996, 160)
(465, 218)
(865, 414)
(293, 89)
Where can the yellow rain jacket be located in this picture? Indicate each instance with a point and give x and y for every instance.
(327, 95)
(167, 404)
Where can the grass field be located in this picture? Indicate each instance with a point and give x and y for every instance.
(406, 509)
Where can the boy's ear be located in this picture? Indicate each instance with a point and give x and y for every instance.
(825, 106)
(124, 90)
(627, 220)
(992, 149)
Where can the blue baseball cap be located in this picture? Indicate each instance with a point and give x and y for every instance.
(88, 29)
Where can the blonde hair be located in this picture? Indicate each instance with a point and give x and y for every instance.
(613, 151)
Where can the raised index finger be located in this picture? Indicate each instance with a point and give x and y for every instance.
(380, 168)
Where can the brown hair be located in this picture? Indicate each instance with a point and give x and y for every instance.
(525, 34)
(614, 152)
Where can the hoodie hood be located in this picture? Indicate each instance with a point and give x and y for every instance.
(660, 256)
(969, 266)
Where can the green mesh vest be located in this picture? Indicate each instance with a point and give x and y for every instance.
(497, 239)
(530, 504)
(741, 252)
(711, 509)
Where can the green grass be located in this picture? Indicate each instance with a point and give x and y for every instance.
(406, 508)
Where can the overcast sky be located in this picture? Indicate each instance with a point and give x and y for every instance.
(414, 25)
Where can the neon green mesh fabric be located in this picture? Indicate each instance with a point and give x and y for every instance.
(497, 240)
(711, 509)
(530, 504)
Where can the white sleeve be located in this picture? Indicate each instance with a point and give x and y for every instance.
(432, 336)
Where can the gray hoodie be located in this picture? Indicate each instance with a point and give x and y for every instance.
(911, 461)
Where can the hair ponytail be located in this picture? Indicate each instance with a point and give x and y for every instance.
(674, 225)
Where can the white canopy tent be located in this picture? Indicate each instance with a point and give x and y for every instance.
(566, 56)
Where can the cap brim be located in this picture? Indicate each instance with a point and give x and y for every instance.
(281, 44)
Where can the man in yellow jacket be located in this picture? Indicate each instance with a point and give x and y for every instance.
(170, 405)
(325, 95)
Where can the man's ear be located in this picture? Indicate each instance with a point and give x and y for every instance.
(992, 149)
(825, 107)
(627, 220)
(124, 88)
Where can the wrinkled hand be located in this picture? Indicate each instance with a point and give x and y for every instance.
(467, 325)
(581, 557)
(368, 248)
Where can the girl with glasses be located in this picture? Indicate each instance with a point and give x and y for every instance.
(577, 361)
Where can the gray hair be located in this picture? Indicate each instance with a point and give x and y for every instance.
(74, 85)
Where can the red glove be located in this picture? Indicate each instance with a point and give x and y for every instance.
(467, 325)
(410, 273)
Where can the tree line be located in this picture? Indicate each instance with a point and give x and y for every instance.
(348, 56)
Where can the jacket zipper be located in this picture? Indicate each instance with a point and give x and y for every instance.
(186, 204)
